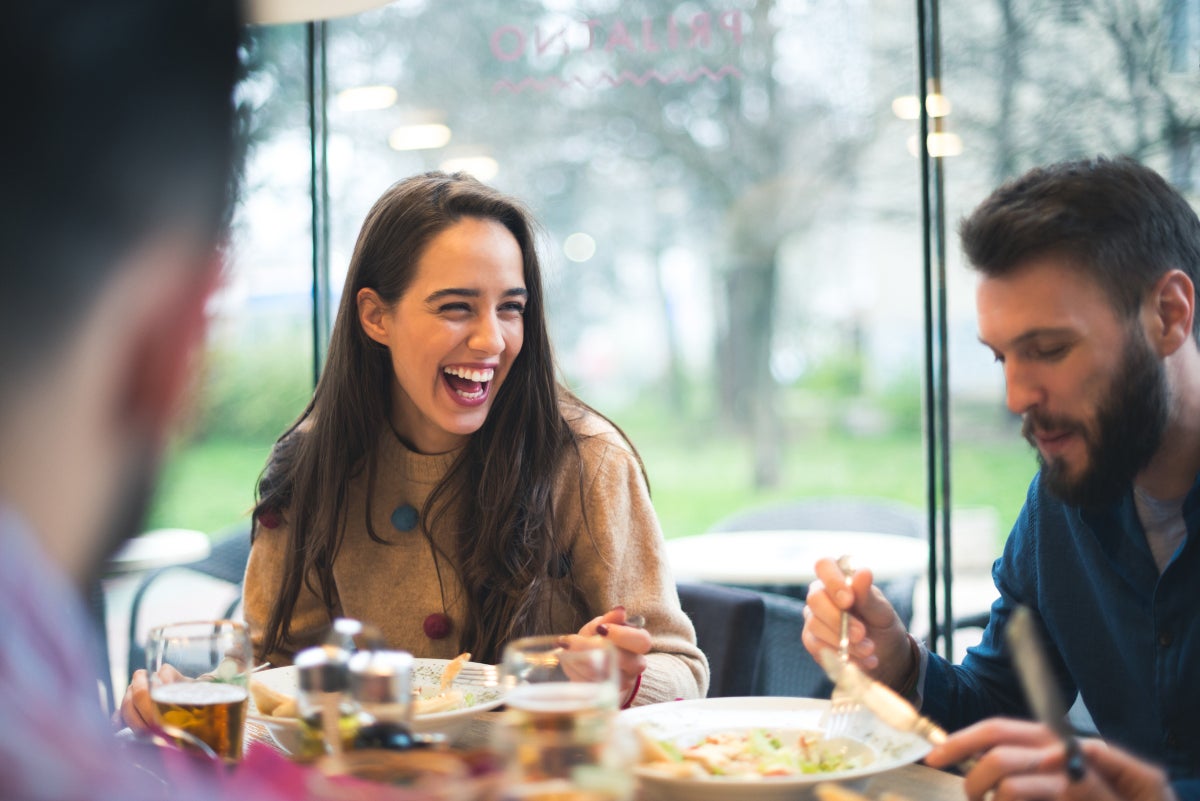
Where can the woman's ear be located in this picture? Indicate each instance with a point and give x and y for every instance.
(1173, 309)
(372, 314)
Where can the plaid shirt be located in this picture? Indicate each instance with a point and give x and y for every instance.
(55, 742)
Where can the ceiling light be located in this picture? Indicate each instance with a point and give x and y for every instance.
(482, 167)
(908, 107)
(366, 98)
(419, 137)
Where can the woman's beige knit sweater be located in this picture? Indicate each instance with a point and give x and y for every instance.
(618, 559)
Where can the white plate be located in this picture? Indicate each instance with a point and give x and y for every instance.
(687, 722)
(427, 675)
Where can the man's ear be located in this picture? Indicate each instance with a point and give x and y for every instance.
(372, 313)
(1171, 309)
(168, 327)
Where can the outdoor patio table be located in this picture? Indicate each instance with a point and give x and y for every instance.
(786, 557)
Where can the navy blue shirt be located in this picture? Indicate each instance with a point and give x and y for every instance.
(1123, 636)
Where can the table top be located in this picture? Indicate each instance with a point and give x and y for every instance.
(908, 783)
(787, 556)
(161, 547)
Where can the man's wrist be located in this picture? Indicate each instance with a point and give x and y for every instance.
(908, 685)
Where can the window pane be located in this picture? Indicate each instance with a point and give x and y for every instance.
(257, 374)
(1030, 84)
(733, 238)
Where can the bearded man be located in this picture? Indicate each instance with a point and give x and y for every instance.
(1087, 299)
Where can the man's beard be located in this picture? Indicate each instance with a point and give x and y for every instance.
(1130, 422)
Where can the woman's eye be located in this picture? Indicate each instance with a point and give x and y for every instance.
(513, 308)
(450, 308)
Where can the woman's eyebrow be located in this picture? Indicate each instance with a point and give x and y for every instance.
(441, 293)
(520, 292)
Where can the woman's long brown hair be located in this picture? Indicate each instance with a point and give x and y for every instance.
(502, 484)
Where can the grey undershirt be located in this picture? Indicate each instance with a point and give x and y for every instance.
(1163, 522)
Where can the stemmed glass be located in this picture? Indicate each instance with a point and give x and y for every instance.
(199, 683)
(558, 732)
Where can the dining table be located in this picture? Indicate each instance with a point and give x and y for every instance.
(787, 556)
(912, 782)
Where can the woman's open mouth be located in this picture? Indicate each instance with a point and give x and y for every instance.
(468, 386)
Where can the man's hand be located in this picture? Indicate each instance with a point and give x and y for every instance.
(878, 640)
(1018, 759)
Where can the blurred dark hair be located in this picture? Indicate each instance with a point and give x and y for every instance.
(1114, 219)
(119, 125)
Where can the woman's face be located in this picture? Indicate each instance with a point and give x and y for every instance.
(453, 335)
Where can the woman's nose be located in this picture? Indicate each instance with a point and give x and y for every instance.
(487, 336)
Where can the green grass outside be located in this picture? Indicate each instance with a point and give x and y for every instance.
(696, 478)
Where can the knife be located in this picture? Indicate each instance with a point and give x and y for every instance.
(1024, 638)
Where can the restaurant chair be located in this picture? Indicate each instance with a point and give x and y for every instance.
(837, 514)
(785, 667)
(729, 630)
(220, 595)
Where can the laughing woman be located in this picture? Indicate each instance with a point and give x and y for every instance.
(441, 484)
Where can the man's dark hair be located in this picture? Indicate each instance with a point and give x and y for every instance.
(118, 125)
(1114, 219)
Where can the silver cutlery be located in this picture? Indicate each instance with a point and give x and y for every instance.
(1023, 635)
(843, 706)
(884, 702)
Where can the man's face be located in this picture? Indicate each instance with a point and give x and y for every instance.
(1092, 394)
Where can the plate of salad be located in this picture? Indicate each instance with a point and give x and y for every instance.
(447, 695)
(758, 749)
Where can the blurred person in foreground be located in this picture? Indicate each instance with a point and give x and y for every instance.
(1087, 299)
(119, 154)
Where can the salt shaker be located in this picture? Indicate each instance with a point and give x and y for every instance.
(327, 712)
(381, 685)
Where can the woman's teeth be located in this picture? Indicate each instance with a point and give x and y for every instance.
(481, 376)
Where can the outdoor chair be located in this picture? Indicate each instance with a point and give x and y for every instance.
(729, 630)
(215, 588)
(785, 668)
(836, 514)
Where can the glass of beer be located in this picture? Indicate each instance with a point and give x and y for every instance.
(558, 734)
(199, 683)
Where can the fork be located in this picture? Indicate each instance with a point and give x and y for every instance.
(843, 705)
(479, 674)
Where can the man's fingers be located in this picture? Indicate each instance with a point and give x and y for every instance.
(986, 735)
(1031, 787)
(833, 581)
(1005, 769)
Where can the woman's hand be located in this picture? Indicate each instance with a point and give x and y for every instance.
(632, 645)
(1023, 760)
(137, 710)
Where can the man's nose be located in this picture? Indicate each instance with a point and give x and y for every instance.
(1021, 389)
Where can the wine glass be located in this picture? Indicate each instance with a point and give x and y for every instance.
(199, 683)
(558, 734)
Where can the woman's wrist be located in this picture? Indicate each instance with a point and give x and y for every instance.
(637, 685)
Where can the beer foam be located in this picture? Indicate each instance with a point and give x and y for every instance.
(557, 696)
(198, 693)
